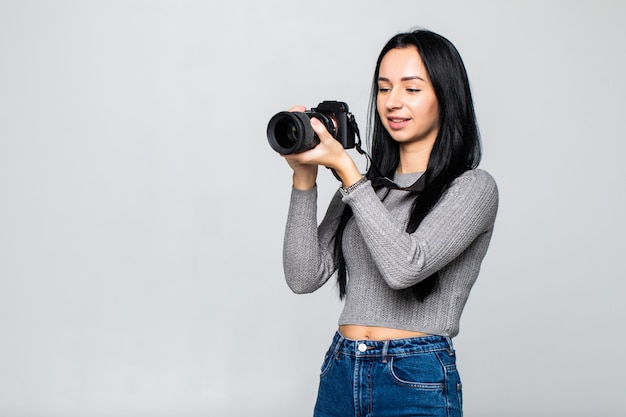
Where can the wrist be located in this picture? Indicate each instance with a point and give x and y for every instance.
(304, 182)
(347, 190)
(348, 172)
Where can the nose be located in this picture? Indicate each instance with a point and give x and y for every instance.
(393, 100)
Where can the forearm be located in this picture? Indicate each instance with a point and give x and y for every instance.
(304, 179)
(405, 259)
(307, 252)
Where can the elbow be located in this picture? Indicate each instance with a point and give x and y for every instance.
(402, 281)
(304, 277)
(398, 285)
(408, 270)
(298, 288)
(299, 285)
(300, 291)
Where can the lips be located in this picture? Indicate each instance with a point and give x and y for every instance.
(397, 122)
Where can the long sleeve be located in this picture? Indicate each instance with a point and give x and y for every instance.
(308, 260)
(467, 210)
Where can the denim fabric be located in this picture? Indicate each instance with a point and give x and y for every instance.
(393, 378)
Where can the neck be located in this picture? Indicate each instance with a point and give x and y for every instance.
(414, 158)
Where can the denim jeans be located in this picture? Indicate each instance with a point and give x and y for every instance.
(393, 378)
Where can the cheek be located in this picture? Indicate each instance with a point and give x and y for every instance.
(433, 112)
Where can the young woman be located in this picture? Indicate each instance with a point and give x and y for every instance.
(405, 240)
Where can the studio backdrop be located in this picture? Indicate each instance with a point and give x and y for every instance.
(142, 209)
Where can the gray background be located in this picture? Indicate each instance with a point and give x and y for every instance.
(141, 209)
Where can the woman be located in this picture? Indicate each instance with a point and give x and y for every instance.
(406, 240)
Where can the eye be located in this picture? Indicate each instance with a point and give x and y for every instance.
(413, 90)
(384, 89)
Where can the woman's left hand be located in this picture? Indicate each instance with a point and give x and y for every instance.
(329, 153)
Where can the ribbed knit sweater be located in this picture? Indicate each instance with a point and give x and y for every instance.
(383, 260)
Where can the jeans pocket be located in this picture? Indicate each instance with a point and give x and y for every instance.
(419, 371)
(327, 363)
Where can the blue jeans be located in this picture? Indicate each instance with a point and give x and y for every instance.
(392, 378)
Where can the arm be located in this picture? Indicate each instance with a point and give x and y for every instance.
(308, 258)
(308, 250)
(466, 210)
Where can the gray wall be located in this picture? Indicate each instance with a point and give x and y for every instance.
(141, 209)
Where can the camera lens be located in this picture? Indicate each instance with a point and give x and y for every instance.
(291, 132)
(286, 133)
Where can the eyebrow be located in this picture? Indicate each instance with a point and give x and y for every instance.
(409, 78)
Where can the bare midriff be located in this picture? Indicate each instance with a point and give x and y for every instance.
(355, 332)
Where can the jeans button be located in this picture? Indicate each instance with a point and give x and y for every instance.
(362, 347)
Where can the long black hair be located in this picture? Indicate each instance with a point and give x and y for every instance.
(456, 148)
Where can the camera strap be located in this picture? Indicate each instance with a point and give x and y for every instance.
(417, 186)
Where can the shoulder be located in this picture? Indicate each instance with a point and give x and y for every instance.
(474, 187)
(475, 180)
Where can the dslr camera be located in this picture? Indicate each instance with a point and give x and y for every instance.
(291, 132)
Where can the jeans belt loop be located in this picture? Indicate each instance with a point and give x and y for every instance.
(338, 346)
(450, 346)
(384, 353)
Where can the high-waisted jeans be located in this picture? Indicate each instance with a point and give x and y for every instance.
(393, 378)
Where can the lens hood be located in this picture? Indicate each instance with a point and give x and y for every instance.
(291, 132)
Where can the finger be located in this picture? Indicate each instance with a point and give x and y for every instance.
(299, 162)
(298, 108)
(320, 129)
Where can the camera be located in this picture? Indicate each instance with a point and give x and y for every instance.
(291, 132)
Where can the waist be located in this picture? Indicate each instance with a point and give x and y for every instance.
(358, 332)
(393, 347)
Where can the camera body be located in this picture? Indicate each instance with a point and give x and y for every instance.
(291, 132)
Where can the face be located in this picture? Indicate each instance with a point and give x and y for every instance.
(406, 101)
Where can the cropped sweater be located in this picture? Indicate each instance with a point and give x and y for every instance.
(384, 261)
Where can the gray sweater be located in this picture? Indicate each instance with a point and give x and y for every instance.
(384, 261)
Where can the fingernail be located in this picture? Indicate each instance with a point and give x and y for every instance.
(314, 121)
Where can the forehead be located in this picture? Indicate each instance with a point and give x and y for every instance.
(402, 62)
